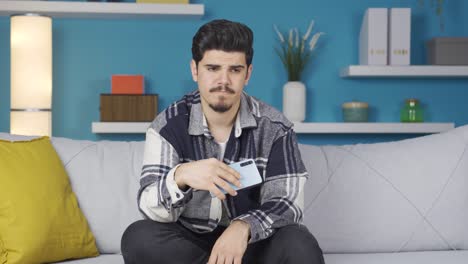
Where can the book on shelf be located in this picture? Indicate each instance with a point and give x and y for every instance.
(373, 37)
(399, 36)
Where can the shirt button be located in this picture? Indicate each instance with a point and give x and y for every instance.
(177, 195)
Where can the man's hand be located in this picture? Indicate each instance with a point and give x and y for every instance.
(231, 245)
(207, 175)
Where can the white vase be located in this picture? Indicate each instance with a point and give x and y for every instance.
(294, 101)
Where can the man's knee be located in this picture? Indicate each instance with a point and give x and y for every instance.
(147, 241)
(133, 240)
(299, 245)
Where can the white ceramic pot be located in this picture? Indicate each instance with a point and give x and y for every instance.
(294, 101)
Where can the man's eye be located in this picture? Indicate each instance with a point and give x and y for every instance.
(235, 70)
(212, 68)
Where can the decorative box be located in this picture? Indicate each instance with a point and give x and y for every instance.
(128, 107)
(447, 51)
(127, 84)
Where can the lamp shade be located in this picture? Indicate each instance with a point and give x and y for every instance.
(31, 75)
(31, 123)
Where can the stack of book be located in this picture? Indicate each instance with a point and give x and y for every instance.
(385, 37)
(127, 101)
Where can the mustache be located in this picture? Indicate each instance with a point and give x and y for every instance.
(221, 88)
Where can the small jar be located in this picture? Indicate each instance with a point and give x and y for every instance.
(355, 111)
(412, 111)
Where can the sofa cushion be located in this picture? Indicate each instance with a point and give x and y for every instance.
(409, 195)
(105, 176)
(40, 220)
(102, 259)
(435, 257)
(432, 257)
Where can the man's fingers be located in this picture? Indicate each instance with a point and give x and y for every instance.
(231, 175)
(223, 184)
(212, 259)
(230, 170)
(238, 260)
(220, 259)
(228, 260)
(217, 192)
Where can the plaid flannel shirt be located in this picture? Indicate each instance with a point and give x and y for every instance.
(179, 134)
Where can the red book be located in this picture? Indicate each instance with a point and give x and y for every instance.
(127, 84)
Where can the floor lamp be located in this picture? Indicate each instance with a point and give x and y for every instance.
(31, 75)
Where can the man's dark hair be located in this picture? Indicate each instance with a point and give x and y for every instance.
(223, 35)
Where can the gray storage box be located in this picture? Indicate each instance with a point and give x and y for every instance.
(447, 51)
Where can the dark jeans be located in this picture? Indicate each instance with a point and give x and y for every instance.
(150, 242)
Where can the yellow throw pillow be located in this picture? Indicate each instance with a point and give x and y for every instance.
(3, 253)
(40, 220)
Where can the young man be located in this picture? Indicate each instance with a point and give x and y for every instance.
(187, 149)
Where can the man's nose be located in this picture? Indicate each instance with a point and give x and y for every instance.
(224, 78)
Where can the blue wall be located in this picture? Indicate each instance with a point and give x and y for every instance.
(88, 52)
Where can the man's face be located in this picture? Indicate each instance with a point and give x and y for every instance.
(221, 77)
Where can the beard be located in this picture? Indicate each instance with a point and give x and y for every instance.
(221, 107)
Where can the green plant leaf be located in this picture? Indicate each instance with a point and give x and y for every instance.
(295, 53)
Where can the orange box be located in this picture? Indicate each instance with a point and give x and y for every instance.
(127, 84)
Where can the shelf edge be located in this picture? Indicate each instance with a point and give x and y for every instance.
(100, 10)
(411, 71)
(302, 128)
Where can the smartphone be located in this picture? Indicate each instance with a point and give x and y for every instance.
(249, 174)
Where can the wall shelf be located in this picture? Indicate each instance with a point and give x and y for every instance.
(120, 127)
(412, 71)
(100, 9)
(372, 128)
(303, 128)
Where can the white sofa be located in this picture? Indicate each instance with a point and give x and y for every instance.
(402, 202)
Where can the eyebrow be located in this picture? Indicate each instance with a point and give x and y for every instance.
(231, 67)
(237, 67)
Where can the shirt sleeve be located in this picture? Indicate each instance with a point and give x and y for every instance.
(159, 197)
(282, 193)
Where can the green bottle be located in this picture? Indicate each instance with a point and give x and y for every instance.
(412, 111)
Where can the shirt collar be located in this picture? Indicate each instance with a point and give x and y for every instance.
(244, 119)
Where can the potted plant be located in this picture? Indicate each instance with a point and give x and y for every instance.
(295, 53)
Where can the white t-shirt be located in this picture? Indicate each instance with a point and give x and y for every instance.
(224, 217)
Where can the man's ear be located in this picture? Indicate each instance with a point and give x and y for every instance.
(249, 73)
(193, 68)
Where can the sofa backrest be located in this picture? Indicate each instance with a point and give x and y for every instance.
(408, 195)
